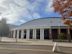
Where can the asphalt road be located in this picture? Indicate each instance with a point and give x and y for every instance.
(31, 49)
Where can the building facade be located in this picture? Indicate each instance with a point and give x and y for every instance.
(42, 29)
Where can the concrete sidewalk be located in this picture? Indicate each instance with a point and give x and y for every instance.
(39, 42)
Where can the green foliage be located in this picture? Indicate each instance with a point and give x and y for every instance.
(4, 29)
(61, 36)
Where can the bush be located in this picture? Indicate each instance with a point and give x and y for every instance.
(61, 36)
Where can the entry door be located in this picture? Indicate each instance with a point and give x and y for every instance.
(37, 33)
(19, 34)
(16, 34)
(31, 34)
(25, 34)
(55, 33)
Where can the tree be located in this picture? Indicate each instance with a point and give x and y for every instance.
(4, 29)
(64, 8)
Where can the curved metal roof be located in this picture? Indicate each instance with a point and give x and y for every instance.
(42, 23)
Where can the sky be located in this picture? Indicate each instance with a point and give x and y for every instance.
(20, 11)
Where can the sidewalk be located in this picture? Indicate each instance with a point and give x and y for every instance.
(39, 42)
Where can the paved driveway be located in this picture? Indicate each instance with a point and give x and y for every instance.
(32, 49)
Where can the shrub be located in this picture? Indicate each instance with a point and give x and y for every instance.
(61, 36)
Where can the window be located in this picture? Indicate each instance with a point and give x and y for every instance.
(37, 33)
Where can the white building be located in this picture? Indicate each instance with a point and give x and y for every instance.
(43, 28)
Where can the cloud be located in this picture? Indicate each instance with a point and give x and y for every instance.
(36, 15)
(22, 10)
(13, 10)
(49, 7)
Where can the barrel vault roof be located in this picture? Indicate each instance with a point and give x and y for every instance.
(42, 23)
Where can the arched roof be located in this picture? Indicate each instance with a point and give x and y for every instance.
(42, 23)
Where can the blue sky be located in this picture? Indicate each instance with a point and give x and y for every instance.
(21, 11)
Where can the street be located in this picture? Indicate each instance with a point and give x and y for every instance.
(31, 49)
